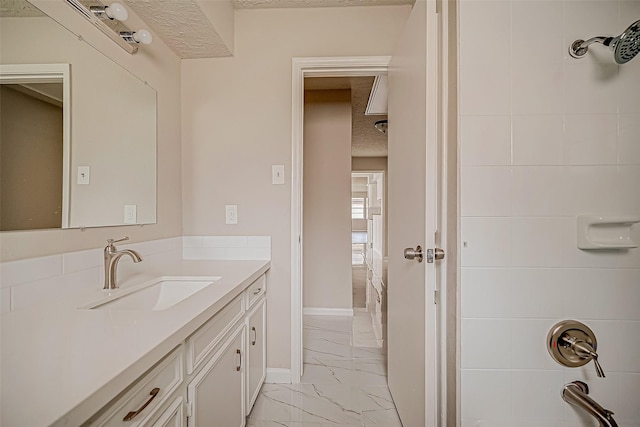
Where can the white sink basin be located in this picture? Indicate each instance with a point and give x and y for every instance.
(156, 295)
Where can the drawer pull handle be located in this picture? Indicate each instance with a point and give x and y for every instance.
(257, 291)
(131, 415)
(255, 335)
(239, 353)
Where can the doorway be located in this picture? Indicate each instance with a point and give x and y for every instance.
(358, 66)
(311, 67)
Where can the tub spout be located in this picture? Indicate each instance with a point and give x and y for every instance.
(576, 393)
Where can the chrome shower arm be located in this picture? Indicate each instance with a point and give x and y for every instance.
(580, 47)
(604, 40)
(576, 393)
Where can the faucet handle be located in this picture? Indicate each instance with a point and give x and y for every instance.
(599, 370)
(584, 350)
(572, 343)
(112, 241)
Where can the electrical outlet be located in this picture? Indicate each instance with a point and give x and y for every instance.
(130, 214)
(231, 214)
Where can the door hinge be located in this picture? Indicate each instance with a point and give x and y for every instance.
(189, 409)
(435, 297)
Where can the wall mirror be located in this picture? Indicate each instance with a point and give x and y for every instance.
(77, 149)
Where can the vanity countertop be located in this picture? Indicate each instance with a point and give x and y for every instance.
(61, 364)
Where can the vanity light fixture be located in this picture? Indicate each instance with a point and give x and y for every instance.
(116, 11)
(99, 16)
(136, 37)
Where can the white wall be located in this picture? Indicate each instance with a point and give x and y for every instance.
(237, 123)
(545, 137)
(327, 200)
(159, 67)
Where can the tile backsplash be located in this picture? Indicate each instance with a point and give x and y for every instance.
(227, 247)
(32, 281)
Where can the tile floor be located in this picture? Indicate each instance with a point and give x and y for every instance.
(344, 382)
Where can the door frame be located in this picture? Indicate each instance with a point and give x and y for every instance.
(354, 66)
(442, 337)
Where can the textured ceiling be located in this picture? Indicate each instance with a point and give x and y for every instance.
(264, 4)
(183, 26)
(366, 140)
(18, 8)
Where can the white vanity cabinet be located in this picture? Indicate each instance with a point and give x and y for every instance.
(257, 351)
(211, 379)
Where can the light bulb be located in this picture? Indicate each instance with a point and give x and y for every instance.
(143, 36)
(117, 11)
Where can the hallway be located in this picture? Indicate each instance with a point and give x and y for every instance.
(344, 381)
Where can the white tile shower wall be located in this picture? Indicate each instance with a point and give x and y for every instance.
(544, 138)
(227, 247)
(32, 281)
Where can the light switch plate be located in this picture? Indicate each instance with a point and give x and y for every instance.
(84, 174)
(277, 174)
(130, 214)
(231, 214)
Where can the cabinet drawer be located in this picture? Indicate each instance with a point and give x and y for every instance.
(165, 377)
(256, 290)
(203, 341)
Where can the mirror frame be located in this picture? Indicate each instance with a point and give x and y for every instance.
(49, 73)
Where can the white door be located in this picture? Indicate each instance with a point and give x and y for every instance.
(412, 343)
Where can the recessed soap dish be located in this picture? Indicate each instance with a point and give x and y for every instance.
(603, 232)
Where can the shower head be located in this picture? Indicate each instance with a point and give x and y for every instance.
(625, 47)
(628, 44)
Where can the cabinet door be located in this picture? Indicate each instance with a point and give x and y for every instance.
(217, 392)
(173, 416)
(256, 347)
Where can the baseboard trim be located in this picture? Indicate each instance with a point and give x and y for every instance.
(278, 376)
(318, 311)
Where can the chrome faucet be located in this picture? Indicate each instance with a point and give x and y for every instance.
(576, 393)
(111, 258)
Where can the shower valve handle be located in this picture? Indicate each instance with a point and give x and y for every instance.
(584, 350)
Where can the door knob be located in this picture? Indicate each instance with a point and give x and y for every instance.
(410, 253)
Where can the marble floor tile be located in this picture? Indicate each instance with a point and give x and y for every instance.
(319, 403)
(327, 351)
(368, 353)
(344, 381)
(376, 398)
(383, 418)
(319, 371)
(370, 372)
(341, 324)
(266, 423)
